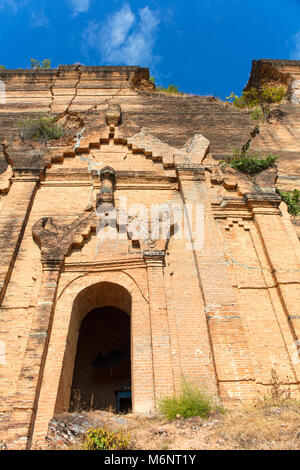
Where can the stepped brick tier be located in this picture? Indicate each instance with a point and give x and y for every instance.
(95, 315)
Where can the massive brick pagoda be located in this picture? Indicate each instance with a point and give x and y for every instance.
(101, 317)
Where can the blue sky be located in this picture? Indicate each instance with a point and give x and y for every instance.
(202, 46)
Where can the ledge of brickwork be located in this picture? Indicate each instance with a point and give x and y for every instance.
(264, 203)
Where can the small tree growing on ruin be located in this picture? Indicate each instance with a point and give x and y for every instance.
(45, 64)
(259, 99)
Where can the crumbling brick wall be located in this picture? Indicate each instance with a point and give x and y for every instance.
(222, 314)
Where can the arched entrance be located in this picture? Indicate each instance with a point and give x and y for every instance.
(102, 371)
(96, 363)
(76, 299)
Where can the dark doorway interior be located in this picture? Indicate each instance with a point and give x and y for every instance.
(102, 371)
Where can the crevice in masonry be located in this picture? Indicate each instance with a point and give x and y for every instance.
(52, 96)
(258, 383)
(67, 110)
(236, 381)
(76, 89)
(18, 308)
(281, 383)
(9, 160)
(253, 134)
(6, 174)
(81, 115)
(51, 90)
(109, 100)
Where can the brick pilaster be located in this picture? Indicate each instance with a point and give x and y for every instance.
(31, 374)
(225, 332)
(162, 363)
(13, 220)
(281, 255)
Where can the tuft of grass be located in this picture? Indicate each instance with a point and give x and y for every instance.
(40, 128)
(291, 198)
(103, 439)
(170, 90)
(190, 402)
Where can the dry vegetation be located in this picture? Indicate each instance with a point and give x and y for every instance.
(271, 423)
(246, 427)
(243, 428)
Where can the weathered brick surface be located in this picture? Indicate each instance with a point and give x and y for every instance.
(223, 314)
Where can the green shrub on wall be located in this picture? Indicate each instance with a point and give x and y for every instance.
(252, 165)
(190, 402)
(40, 127)
(249, 164)
(291, 198)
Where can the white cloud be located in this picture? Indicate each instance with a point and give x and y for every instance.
(117, 27)
(79, 6)
(12, 4)
(125, 38)
(39, 20)
(295, 54)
